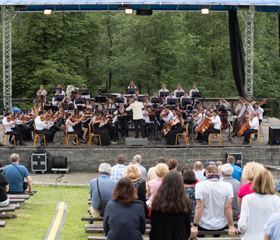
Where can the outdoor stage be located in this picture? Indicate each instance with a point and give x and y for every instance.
(84, 158)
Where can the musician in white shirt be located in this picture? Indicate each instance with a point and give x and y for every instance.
(148, 125)
(239, 106)
(85, 90)
(179, 89)
(166, 114)
(259, 111)
(216, 121)
(171, 95)
(121, 96)
(254, 127)
(194, 89)
(43, 127)
(163, 89)
(70, 124)
(247, 107)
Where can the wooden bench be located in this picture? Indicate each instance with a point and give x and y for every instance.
(221, 238)
(14, 200)
(2, 224)
(18, 196)
(91, 219)
(7, 209)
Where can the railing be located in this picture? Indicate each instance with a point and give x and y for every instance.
(207, 102)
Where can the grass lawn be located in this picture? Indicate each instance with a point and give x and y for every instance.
(35, 216)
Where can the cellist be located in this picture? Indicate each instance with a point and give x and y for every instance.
(254, 126)
(215, 128)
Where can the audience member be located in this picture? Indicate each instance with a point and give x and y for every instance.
(152, 170)
(213, 203)
(4, 188)
(272, 227)
(15, 174)
(237, 171)
(106, 187)
(171, 210)
(117, 171)
(137, 159)
(199, 171)
(227, 171)
(124, 215)
(250, 170)
(258, 207)
(189, 184)
(133, 172)
(172, 164)
(153, 185)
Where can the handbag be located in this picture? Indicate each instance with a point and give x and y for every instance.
(25, 184)
(102, 203)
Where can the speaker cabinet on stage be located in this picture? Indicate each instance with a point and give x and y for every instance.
(238, 158)
(274, 135)
(39, 162)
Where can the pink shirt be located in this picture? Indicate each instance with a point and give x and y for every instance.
(154, 186)
(245, 190)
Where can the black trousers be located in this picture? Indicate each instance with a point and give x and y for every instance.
(17, 135)
(123, 127)
(48, 133)
(208, 131)
(139, 122)
(148, 128)
(247, 133)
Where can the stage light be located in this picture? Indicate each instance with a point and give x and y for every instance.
(128, 11)
(47, 11)
(204, 11)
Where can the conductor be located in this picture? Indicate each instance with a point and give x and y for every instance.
(136, 108)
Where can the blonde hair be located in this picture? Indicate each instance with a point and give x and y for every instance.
(161, 169)
(132, 171)
(251, 169)
(263, 183)
(212, 169)
(219, 163)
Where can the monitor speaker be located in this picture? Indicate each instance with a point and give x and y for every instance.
(274, 135)
(60, 162)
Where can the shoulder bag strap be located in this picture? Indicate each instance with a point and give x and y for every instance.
(19, 171)
(98, 189)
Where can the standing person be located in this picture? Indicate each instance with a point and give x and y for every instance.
(15, 174)
(199, 170)
(237, 171)
(124, 215)
(152, 170)
(259, 112)
(216, 121)
(254, 127)
(272, 227)
(171, 210)
(42, 92)
(194, 89)
(172, 164)
(258, 207)
(136, 108)
(118, 170)
(163, 89)
(4, 188)
(137, 159)
(178, 124)
(179, 89)
(131, 85)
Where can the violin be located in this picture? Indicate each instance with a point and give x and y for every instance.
(13, 118)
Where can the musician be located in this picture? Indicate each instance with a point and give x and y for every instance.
(108, 124)
(149, 124)
(163, 89)
(10, 127)
(170, 95)
(24, 130)
(123, 119)
(121, 95)
(42, 92)
(222, 104)
(165, 115)
(254, 127)
(54, 101)
(186, 95)
(147, 101)
(216, 121)
(131, 85)
(247, 107)
(43, 127)
(78, 102)
(239, 106)
(88, 105)
(259, 112)
(85, 90)
(177, 123)
(61, 92)
(194, 89)
(85, 122)
(179, 89)
(136, 108)
(103, 132)
(70, 124)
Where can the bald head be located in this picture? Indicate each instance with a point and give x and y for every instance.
(198, 166)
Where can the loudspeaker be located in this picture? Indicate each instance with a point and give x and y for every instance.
(238, 158)
(39, 162)
(274, 135)
(60, 162)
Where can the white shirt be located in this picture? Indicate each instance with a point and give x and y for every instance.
(162, 90)
(43, 92)
(41, 125)
(193, 90)
(54, 102)
(69, 126)
(254, 123)
(181, 98)
(214, 194)
(146, 117)
(168, 117)
(124, 100)
(136, 108)
(260, 112)
(171, 97)
(199, 119)
(216, 121)
(255, 211)
(239, 107)
(177, 90)
(8, 128)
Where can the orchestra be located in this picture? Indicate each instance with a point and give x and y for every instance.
(111, 114)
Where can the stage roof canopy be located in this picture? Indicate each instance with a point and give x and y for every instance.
(158, 5)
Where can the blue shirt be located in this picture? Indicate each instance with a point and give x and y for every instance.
(106, 188)
(14, 177)
(237, 172)
(117, 172)
(272, 227)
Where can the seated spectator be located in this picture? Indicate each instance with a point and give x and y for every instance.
(172, 164)
(171, 210)
(137, 159)
(258, 207)
(118, 170)
(227, 171)
(250, 170)
(15, 174)
(153, 185)
(124, 215)
(213, 203)
(106, 187)
(189, 184)
(4, 188)
(152, 170)
(199, 170)
(272, 227)
(237, 171)
(133, 172)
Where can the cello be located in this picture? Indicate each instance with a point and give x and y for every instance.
(167, 128)
(206, 123)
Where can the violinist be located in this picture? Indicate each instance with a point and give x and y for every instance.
(197, 119)
(85, 122)
(122, 122)
(71, 122)
(24, 130)
(43, 127)
(177, 123)
(165, 115)
(107, 123)
(254, 127)
(216, 121)
(10, 128)
(121, 96)
(88, 105)
(146, 102)
(148, 125)
(103, 132)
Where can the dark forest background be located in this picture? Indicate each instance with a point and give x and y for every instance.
(108, 50)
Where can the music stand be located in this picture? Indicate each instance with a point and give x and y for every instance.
(141, 98)
(172, 101)
(111, 110)
(71, 106)
(119, 100)
(85, 92)
(179, 94)
(80, 101)
(155, 100)
(100, 99)
(164, 94)
(186, 101)
(102, 90)
(59, 97)
(54, 90)
(196, 94)
(131, 90)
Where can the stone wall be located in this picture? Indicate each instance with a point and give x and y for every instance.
(88, 159)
